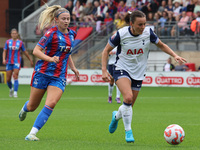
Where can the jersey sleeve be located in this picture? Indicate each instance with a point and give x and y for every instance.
(114, 40)
(23, 47)
(45, 39)
(6, 46)
(153, 37)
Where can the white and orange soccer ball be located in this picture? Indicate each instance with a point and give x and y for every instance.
(174, 134)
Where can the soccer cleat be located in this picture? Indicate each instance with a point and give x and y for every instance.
(114, 123)
(109, 99)
(118, 100)
(15, 95)
(11, 93)
(129, 136)
(31, 137)
(22, 114)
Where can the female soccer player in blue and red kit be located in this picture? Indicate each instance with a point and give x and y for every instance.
(51, 70)
(12, 60)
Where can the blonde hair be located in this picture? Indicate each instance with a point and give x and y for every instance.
(47, 16)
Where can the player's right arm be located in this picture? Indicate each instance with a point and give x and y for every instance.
(105, 75)
(4, 57)
(38, 53)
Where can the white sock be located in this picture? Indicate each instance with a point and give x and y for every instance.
(119, 113)
(127, 116)
(110, 89)
(15, 92)
(34, 131)
(118, 93)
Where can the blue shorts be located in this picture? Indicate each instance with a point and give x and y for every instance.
(111, 69)
(42, 81)
(135, 84)
(12, 66)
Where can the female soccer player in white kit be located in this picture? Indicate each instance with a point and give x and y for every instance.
(111, 62)
(133, 48)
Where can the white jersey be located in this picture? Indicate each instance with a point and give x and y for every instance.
(133, 51)
(112, 58)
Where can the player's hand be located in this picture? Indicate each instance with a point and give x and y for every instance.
(4, 62)
(55, 59)
(76, 72)
(31, 63)
(106, 76)
(178, 58)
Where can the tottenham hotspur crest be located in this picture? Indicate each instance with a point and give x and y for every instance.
(143, 42)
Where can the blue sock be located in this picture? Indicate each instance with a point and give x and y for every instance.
(16, 85)
(25, 106)
(9, 83)
(42, 117)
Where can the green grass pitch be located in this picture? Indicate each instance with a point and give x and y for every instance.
(81, 118)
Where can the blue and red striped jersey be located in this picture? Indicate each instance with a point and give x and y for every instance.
(13, 48)
(58, 44)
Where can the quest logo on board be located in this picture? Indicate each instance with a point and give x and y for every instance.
(169, 80)
(147, 80)
(82, 77)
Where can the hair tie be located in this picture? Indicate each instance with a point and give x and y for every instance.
(61, 13)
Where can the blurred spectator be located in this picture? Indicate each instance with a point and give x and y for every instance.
(177, 8)
(74, 20)
(121, 23)
(170, 24)
(77, 10)
(101, 10)
(174, 28)
(197, 6)
(88, 9)
(96, 5)
(162, 7)
(150, 18)
(150, 6)
(108, 21)
(129, 3)
(190, 9)
(169, 7)
(181, 67)
(162, 22)
(198, 69)
(195, 24)
(116, 19)
(183, 23)
(122, 8)
(133, 6)
(112, 9)
(168, 66)
(69, 6)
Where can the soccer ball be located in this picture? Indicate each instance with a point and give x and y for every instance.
(174, 134)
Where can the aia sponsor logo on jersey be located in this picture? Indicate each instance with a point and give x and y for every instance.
(135, 52)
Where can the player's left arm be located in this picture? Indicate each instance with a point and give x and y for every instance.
(169, 51)
(154, 39)
(73, 68)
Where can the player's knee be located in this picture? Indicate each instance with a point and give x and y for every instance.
(128, 98)
(15, 76)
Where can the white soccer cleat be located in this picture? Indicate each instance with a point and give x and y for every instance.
(31, 137)
(11, 93)
(15, 94)
(22, 114)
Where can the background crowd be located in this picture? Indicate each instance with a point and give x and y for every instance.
(169, 17)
